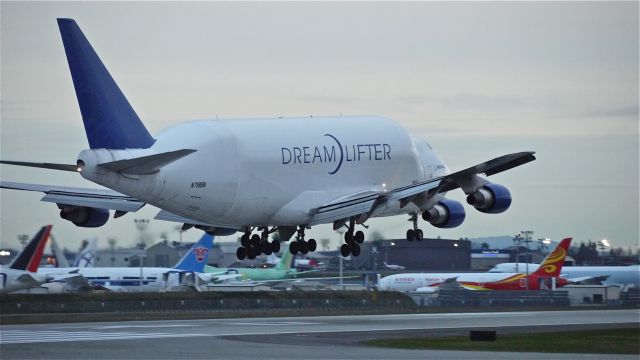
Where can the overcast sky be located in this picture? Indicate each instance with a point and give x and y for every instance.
(477, 80)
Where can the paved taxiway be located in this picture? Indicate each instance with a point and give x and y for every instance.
(323, 337)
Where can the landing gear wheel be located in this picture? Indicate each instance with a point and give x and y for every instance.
(411, 235)
(359, 237)
(275, 246)
(241, 253)
(244, 240)
(251, 253)
(293, 247)
(355, 249)
(348, 237)
(312, 245)
(255, 240)
(266, 248)
(419, 235)
(345, 250)
(303, 248)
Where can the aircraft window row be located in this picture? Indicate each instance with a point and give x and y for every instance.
(97, 278)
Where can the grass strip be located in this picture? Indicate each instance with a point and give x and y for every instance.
(605, 341)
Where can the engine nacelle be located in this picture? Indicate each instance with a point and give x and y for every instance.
(490, 199)
(445, 214)
(84, 216)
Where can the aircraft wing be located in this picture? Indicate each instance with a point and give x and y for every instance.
(345, 207)
(95, 198)
(32, 279)
(76, 282)
(364, 203)
(588, 280)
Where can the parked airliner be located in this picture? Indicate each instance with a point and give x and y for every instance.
(257, 176)
(146, 279)
(624, 276)
(543, 278)
(21, 272)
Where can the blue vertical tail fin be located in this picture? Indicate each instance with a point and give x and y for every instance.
(109, 120)
(198, 256)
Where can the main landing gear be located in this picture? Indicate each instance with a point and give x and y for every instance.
(299, 245)
(352, 240)
(254, 245)
(414, 233)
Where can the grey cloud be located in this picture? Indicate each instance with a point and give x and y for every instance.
(631, 112)
(469, 101)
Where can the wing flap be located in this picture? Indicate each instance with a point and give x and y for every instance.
(97, 198)
(345, 208)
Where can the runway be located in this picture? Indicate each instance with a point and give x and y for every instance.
(322, 337)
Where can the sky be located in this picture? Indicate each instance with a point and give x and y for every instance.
(475, 79)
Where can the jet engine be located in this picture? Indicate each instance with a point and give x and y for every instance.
(490, 199)
(84, 216)
(445, 214)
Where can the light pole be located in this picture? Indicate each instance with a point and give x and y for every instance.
(340, 231)
(517, 239)
(23, 240)
(141, 225)
(112, 246)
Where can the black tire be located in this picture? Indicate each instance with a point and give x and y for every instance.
(244, 240)
(345, 250)
(411, 235)
(419, 235)
(355, 250)
(241, 253)
(251, 253)
(312, 245)
(303, 247)
(266, 248)
(348, 237)
(275, 246)
(255, 240)
(359, 236)
(293, 247)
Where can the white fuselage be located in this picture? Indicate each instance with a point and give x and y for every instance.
(626, 276)
(414, 281)
(117, 278)
(13, 280)
(258, 172)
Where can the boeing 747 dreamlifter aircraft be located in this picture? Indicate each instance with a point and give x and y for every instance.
(264, 175)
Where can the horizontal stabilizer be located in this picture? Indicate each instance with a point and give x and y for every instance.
(63, 167)
(146, 165)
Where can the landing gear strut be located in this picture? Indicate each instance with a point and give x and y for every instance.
(299, 245)
(414, 233)
(352, 241)
(254, 245)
